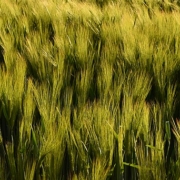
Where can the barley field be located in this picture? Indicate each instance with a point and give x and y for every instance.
(89, 90)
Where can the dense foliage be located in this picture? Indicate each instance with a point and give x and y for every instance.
(89, 90)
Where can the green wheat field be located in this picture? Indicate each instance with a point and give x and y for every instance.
(89, 90)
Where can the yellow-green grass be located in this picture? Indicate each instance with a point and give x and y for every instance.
(89, 90)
